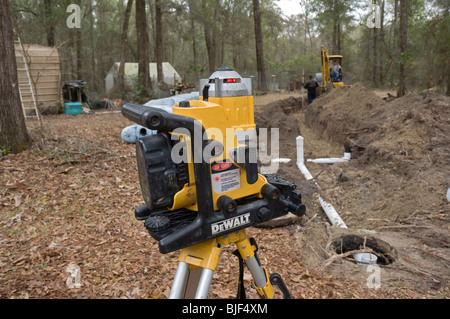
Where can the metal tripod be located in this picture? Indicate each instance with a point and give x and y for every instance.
(198, 263)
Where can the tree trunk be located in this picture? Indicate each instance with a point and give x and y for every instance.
(448, 78)
(339, 38)
(50, 23)
(403, 46)
(143, 46)
(262, 82)
(79, 44)
(193, 15)
(126, 22)
(73, 60)
(93, 66)
(375, 51)
(395, 47)
(209, 38)
(396, 17)
(194, 48)
(159, 41)
(210, 49)
(381, 37)
(79, 55)
(375, 56)
(13, 131)
(334, 45)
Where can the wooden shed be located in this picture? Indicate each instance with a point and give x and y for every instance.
(44, 68)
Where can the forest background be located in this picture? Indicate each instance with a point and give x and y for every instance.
(381, 47)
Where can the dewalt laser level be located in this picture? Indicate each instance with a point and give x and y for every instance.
(200, 182)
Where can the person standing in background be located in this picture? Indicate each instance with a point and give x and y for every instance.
(311, 85)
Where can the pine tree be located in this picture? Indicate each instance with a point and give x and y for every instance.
(14, 136)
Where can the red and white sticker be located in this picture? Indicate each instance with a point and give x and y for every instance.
(221, 166)
(227, 181)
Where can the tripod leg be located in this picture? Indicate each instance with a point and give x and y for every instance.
(260, 276)
(195, 271)
(178, 286)
(204, 283)
(187, 282)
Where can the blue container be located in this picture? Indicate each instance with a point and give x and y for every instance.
(74, 108)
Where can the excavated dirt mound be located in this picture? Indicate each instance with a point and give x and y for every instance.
(410, 126)
(406, 139)
(393, 189)
(344, 111)
(278, 115)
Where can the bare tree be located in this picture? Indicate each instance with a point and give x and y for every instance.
(143, 46)
(49, 23)
(126, 22)
(193, 17)
(210, 39)
(262, 83)
(13, 131)
(381, 37)
(404, 4)
(375, 52)
(159, 41)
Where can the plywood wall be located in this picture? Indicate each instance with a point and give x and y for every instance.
(44, 67)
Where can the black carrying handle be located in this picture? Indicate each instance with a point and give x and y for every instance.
(160, 120)
(135, 113)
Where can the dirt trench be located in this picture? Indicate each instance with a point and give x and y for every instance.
(393, 189)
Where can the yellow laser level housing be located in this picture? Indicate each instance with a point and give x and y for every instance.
(201, 185)
(226, 110)
(199, 174)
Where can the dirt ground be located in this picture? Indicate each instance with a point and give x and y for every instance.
(69, 201)
(392, 191)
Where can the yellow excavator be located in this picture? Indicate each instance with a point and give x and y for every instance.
(331, 70)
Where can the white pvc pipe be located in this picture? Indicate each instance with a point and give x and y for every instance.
(337, 222)
(281, 160)
(301, 159)
(300, 145)
(329, 210)
(332, 214)
(346, 158)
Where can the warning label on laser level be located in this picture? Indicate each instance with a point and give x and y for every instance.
(229, 180)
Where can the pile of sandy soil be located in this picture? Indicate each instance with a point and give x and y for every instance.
(410, 126)
(278, 114)
(394, 188)
(344, 111)
(406, 139)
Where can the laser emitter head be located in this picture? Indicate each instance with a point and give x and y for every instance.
(226, 82)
